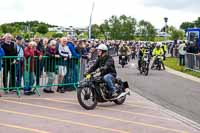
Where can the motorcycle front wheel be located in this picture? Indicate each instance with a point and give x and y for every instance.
(86, 98)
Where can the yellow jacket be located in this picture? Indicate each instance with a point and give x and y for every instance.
(157, 51)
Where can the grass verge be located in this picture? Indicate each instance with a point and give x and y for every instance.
(174, 64)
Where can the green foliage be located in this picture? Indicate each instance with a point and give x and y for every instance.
(186, 25)
(26, 36)
(57, 35)
(146, 31)
(77, 32)
(120, 28)
(96, 31)
(42, 29)
(23, 27)
(176, 34)
(197, 22)
(7, 28)
(159, 39)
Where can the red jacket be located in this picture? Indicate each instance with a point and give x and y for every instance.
(29, 54)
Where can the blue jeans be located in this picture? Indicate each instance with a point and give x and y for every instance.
(29, 81)
(108, 78)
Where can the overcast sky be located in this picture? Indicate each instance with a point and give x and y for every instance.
(77, 12)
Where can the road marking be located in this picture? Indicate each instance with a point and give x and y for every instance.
(132, 104)
(62, 120)
(22, 128)
(99, 116)
(117, 110)
(54, 99)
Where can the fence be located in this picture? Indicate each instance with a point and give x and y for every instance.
(35, 73)
(192, 62)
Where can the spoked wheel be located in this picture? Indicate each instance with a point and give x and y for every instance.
(120, 100)
(146, 70)
(86, 98)
(141, 70)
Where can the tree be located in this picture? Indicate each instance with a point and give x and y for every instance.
(7, 28)
(177, 34)
(57, 35)
(96, 31)
(105, 29)
(42, 29)
(120, 28)
(26, 36)
(197, 22)
(128, 27)
(146, 31)
(186, 25)
(77, 32)
(115, 27)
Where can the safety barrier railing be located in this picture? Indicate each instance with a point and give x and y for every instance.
(192, 61)
(35, 73)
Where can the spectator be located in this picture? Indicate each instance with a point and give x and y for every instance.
(65, 54)
(9, 63)
(182, 52)
(51, 65)
(20, 61)
(38, 66)
(2, 53)
(192, 48)
(29, 71)
(72, 65)
(45, 45)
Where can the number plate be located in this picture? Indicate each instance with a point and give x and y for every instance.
(145, 59)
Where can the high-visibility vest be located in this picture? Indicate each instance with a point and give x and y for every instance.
(158, 51)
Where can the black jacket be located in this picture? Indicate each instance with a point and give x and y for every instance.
(10, 50)
(108, 65)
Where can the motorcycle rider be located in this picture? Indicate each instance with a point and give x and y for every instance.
(124, 50)
(164, 47)
(141, 53)
(158, 51)
(107, 68)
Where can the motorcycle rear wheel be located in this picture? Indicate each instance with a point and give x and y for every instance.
(120, 101)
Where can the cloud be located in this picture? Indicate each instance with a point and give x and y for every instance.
(77, 12)
(189, 5)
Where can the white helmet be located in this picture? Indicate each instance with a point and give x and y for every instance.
(102, 47)
(158, 44)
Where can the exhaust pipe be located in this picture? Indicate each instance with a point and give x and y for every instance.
(124, 94)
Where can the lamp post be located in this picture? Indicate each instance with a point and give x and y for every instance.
(90, 24)
(166, 20)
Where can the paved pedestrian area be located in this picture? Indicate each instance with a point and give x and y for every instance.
(61, 113)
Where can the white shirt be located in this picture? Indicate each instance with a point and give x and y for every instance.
(64, 51)
(181, 49)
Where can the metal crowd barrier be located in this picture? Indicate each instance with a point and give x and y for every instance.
(21, 73)
(192, 61)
